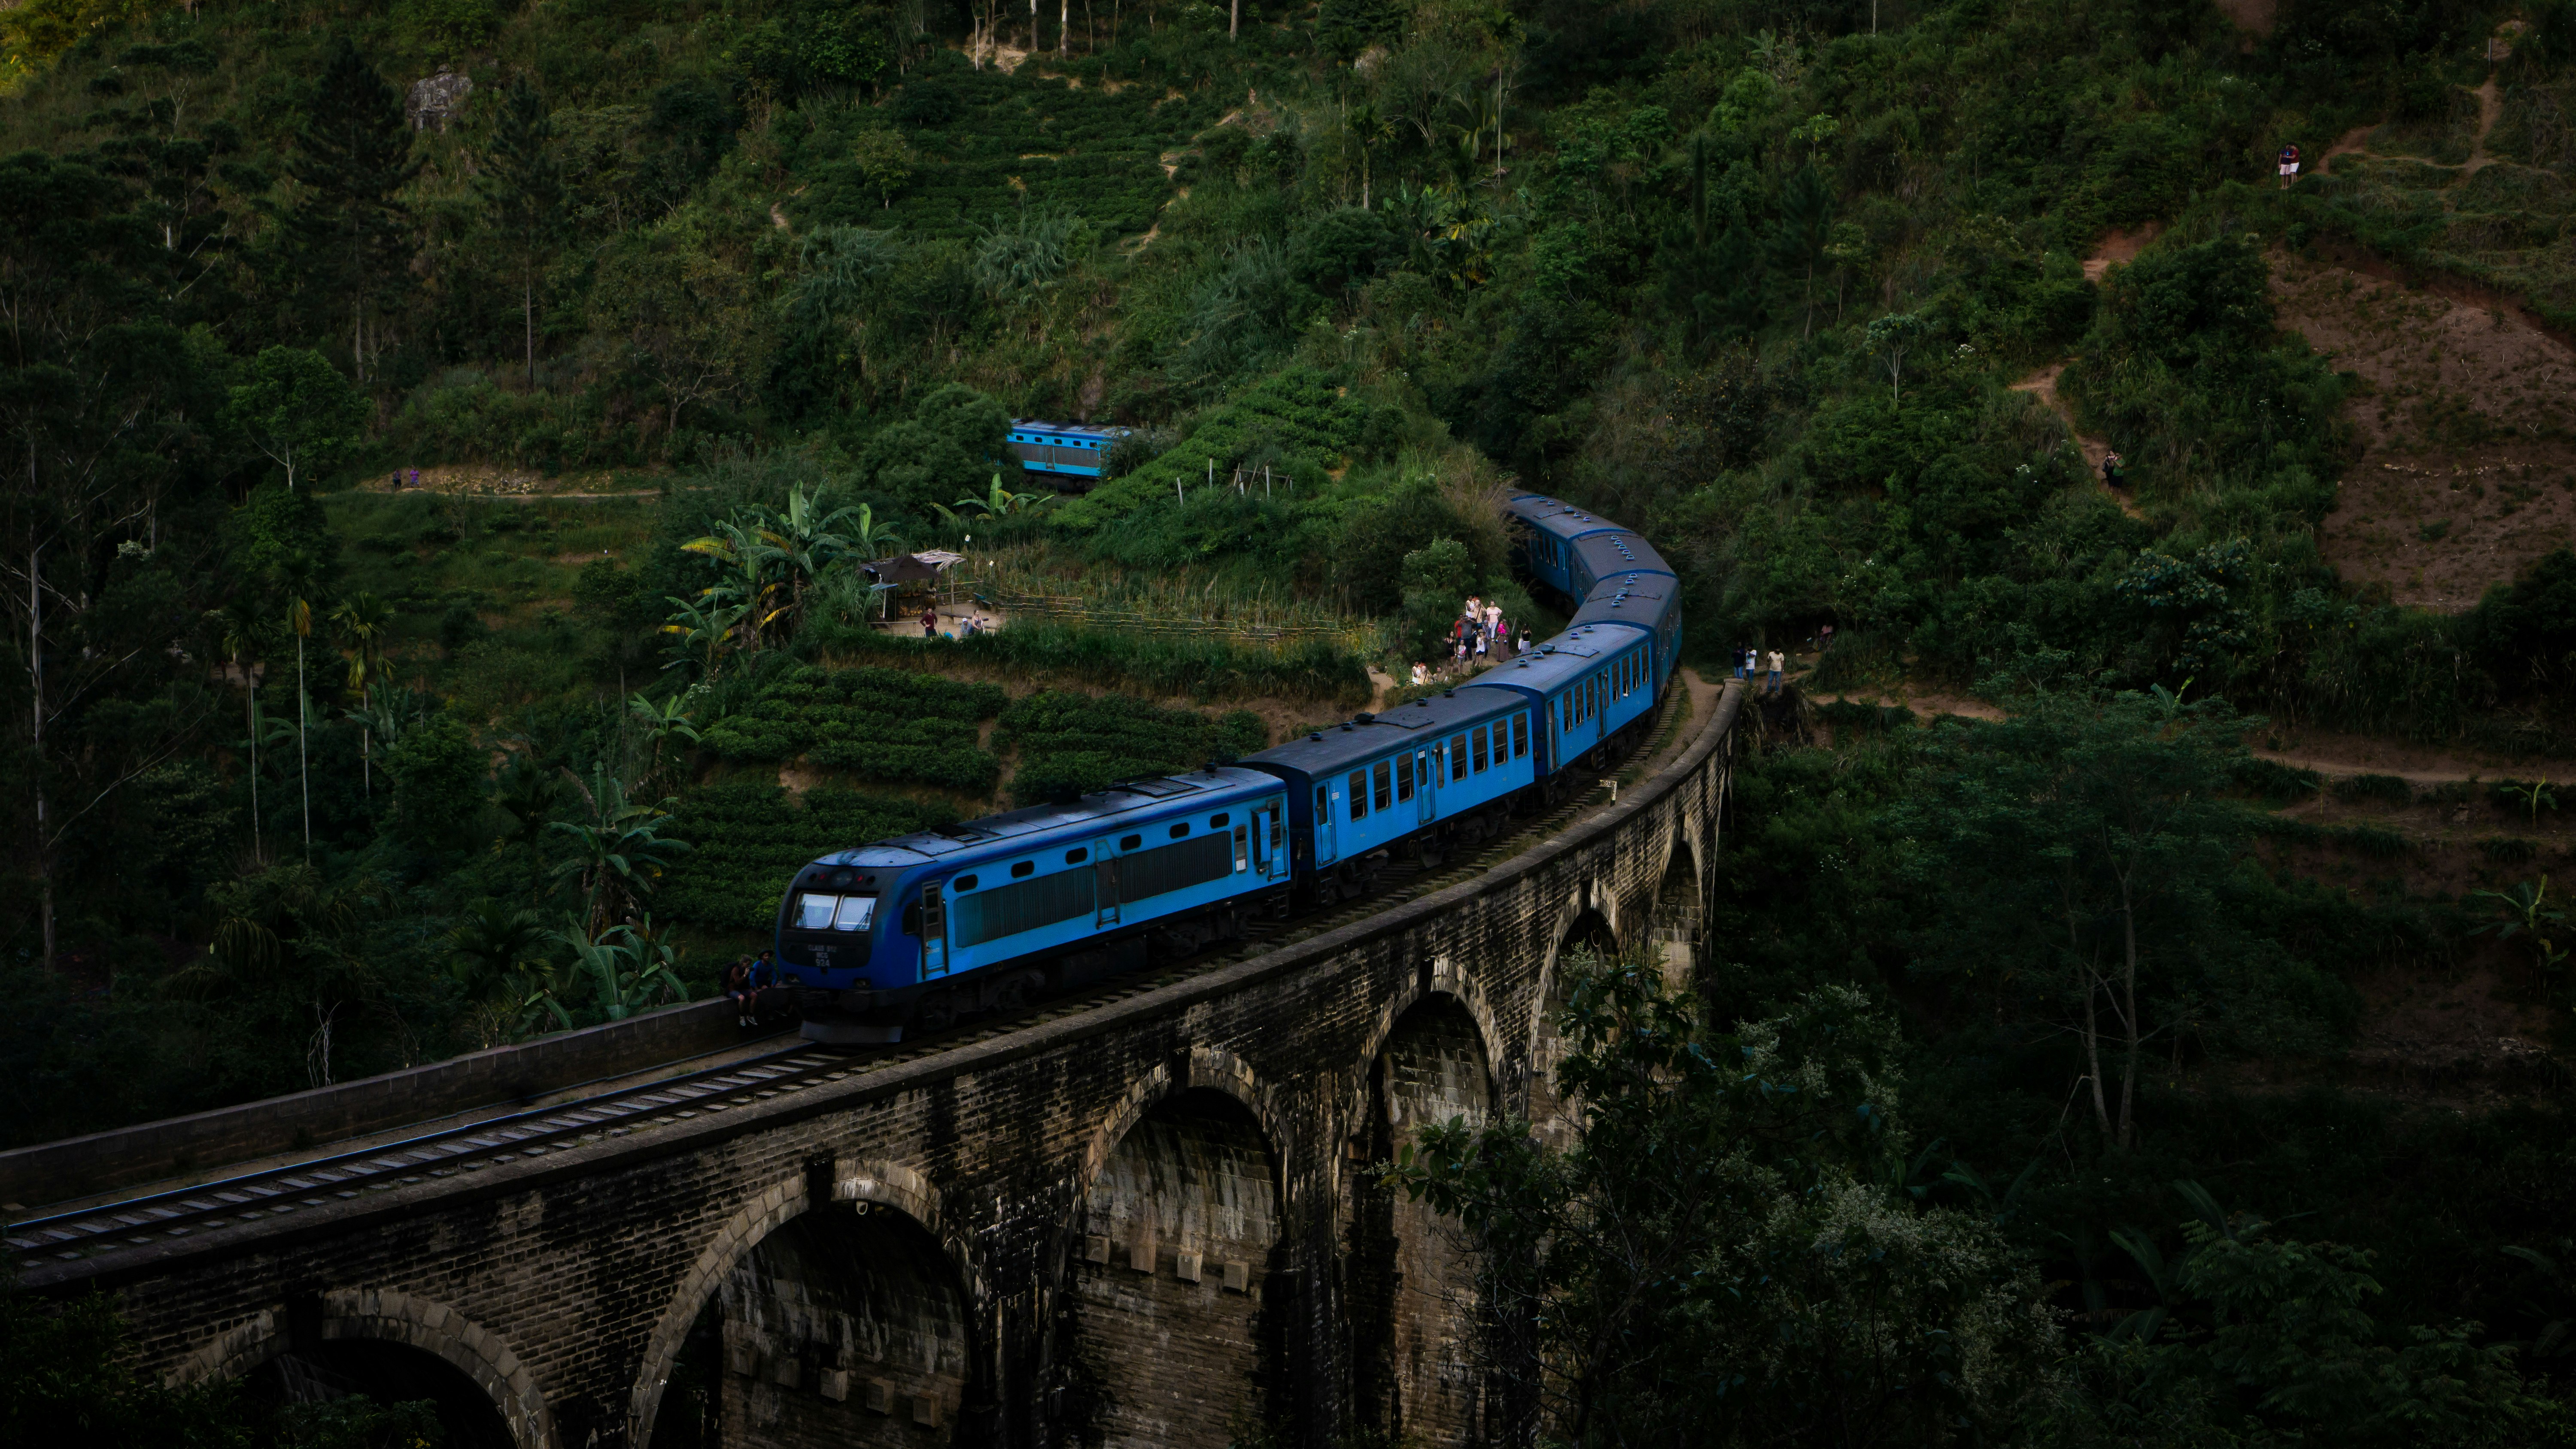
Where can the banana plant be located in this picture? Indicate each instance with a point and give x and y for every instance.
(618, 852)
(624, 976)
(997, 504)
(699, 628)
(661, 719)
(2525, 910)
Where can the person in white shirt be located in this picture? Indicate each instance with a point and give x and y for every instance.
(1776, 661)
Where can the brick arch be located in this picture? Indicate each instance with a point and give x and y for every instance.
(1447, 979)
(1215, 1069)
(390, 1316)
(885, 1184)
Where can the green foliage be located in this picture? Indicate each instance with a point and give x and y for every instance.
(1202, 669)
(297, 409)
(953, 439)
(748, 838)
(1719, 1255)
(439, 776)
(2387, 789)
(1070, 744)
(875, 724)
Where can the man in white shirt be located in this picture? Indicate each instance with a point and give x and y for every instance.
(1776, 661)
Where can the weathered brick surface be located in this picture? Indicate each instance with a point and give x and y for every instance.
(569, 1283)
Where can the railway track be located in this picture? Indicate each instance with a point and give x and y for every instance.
(281, 1191)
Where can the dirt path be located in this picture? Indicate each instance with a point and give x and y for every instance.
(2490, 109)
(2043, 386)
(2330, 753)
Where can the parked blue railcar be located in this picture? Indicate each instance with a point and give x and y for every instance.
(1425, 775)
(989, 913)
(1060, 452)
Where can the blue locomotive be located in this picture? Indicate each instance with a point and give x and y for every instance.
(1060, 452)
(912, 933)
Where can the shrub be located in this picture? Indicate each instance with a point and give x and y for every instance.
(1852, 714)
(1070, 744)
(749, 836)
(2276, 782)
(878, 724)
(2509, 849)
(2370, 840)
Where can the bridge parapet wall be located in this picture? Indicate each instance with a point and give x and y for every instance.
(587, 1266)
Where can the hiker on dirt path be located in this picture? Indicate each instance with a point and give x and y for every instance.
(2289, 165)
(1775, 671)
(2112, 474)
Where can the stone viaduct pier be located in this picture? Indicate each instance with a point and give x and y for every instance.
(1151, 1222)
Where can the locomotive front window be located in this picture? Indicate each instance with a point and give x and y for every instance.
(814, 913)
(856, 913)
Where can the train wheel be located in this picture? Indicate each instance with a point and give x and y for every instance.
(1017, 992)
(935, 1012)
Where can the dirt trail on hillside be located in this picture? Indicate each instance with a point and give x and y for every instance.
(2115, 248)
(2332, 754)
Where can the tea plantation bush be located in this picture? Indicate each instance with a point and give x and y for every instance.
(1072, 743)
(878, 724)
(1202, 668)
(749, 836)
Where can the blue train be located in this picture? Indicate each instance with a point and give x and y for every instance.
(912, 933)
(1060, 452)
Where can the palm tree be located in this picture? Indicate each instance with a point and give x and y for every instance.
(241, 644)
(363, 620)
(487, 952)
(301, 572)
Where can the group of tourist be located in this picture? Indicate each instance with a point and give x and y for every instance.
(967, 627)
(745, 979)
(1480, 633)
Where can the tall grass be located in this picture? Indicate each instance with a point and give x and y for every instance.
(1198, 669)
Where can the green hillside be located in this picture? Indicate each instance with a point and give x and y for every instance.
(682, 310)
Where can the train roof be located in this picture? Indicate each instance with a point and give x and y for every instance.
(1555, 516)
(1568, 656)
(1069, 430)
(1366, 736)
(1618, 551)
(1036, 823)
(1642, 599)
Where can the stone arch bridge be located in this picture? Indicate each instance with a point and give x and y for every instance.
(1145, 1223)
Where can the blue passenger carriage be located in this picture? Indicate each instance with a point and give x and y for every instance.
(1062, 452)
(1650, 602)
(988, 914)
(1418, 780)
(1589, 683)
(1549, 531)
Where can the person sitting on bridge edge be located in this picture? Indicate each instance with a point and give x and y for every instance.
(737, 984)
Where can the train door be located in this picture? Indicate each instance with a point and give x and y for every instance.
(1104, 884)
(1327, 839)
(934, 931)
(1423, 777)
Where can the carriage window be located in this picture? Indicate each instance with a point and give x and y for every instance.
(1180, 830)
(1130, 842)
(962, 883)
(1359, 794)
(1520, 735)
(855, 914)
(1076, 857)
(1323, 804)
(1458, 757)
(1480, 749)
(1384, 784)
(1404, 778)
(1022, 868)
(1218, 820)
